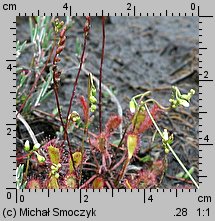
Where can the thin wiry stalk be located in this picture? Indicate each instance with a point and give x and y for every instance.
(59, 110)
(170, 148)
(86, 32)
(100, 75)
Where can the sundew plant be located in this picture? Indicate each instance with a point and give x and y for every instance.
(67, 134)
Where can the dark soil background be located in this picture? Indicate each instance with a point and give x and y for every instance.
(141, 53)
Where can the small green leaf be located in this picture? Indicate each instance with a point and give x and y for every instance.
(191, 170)
(180, 175)
(146, 159)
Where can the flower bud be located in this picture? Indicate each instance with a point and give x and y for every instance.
(36, 146)
(132, 106)
(93, 100)
(184, 103)
(74, 116)
(56, 175)
(93, 91)
(165, 135)
(93, 108)
(27, 146)
(62, 40)
(62, 33)
(56, 21)
(52, 167)
(60, 49)
(166, 150)
(40, 158)
(57, 59)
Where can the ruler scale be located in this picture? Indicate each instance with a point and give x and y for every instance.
(107, 204)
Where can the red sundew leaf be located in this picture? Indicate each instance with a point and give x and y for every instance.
(158, 167)
(53, 183)
(132, 144)
(102, 142)
(77, 157)
(70, 181)
(54, 154)
(147, 123)
(113, 123)
(85, 108)
(98, 183)
(147, 179)
(99, 142)
(34, 184)
(138, 119)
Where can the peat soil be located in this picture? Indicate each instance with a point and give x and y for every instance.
(141, 54)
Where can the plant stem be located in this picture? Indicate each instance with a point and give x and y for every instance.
(113, 97)
(82, 152)
(170, 148)
(119, 162)
(59, 110)
(27, 166)
(88, 181)
(76, 80)
(100, 75)
(28, 128)
(122, 172)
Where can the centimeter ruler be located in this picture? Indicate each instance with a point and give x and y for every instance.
(106, 204)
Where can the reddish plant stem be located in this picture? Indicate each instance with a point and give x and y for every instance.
(108, 185)
(88, 182)
(112, 184)
(76, 81)
(180, 179)
(100, 75)
(86, 32)
(59, 112)
(104, 163)
(119, 162)
(122, 172)
(94, 156)
(36, 82)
